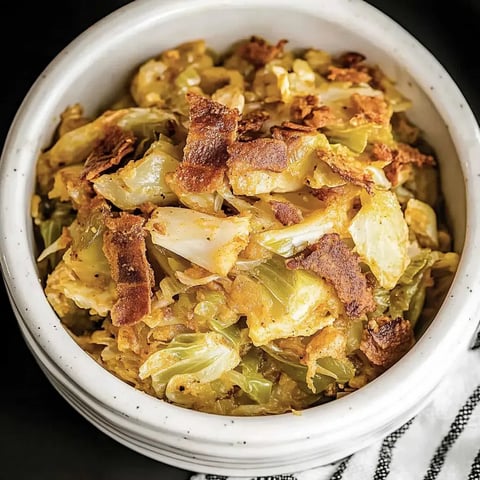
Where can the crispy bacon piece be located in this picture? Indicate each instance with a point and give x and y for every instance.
(328, 194)
(286, 213)
(124, 247)
(369, 109)
(381, 153)
(259, 52)
(403, 157)
(333, 260)
(350, 59)
(324, 194)
(386, 340)
(250, 125)
(296, 127)
(320, 117)
(303, 106)
(311, 112)
(260, 154)
(109, 151)
(199, 178)
(407, 154)
(353, 75)
(213, 127)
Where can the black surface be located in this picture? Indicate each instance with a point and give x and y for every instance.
(41, 436)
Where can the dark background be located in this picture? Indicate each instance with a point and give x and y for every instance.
(41, 436)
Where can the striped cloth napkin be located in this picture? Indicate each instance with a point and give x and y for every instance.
(442, 442)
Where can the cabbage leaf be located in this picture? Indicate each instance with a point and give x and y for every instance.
(380, 234)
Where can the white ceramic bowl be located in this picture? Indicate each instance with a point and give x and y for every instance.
(90, 70)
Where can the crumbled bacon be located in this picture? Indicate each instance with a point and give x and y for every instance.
(393, 172)
(332, 259)
(199, 178)
(303, 106)
(213, 128)
(286, 213)
(250, 125)
(328, 194)
(381, 153)
(386, 340)
(350, 59)
(124, 247)
(353, 75)
(260, 154)
(108, 152)
(369, 109)
(320, 117)
(296, 126)
(310, 111)
(403, 157)
(407, 154)
(259, 52)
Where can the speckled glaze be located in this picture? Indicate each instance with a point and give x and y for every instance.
(90, 70)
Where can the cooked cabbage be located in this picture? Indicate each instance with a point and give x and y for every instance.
(380, 234)
(281, 303)
(141, 181)
(211, 242)
(190, 357)
(264, 274)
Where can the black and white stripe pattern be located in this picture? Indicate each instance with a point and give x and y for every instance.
(456, 428)
(338, 474)
(441, 443)
(386, 451)
(475, 470)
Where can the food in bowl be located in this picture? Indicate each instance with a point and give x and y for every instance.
(246, 233)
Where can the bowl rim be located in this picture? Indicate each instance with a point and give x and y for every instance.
(20, 277)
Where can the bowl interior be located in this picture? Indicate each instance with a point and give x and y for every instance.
(94, 68)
